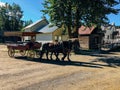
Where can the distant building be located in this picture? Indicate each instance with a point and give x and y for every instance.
(35, 27)
(110, 33)
(48, 33)
(118, 35)
(90, 37)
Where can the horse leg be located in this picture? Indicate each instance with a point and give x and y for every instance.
(68, 54)
(64, 55)
(41, 54)
(57, 54)
(51, 56)
(47, 55)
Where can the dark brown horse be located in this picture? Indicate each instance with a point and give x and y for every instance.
(64, 47)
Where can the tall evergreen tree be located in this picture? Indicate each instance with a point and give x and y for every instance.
(10, 17)
(74, 13)
(28, 22)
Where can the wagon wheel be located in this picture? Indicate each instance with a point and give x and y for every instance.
(11, 52)
(23, 52)
(31, 54)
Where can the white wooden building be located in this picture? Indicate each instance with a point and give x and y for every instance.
(35, 27)
(48, 33)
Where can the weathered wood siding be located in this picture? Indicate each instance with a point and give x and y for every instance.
(84, 42)
(95, 41)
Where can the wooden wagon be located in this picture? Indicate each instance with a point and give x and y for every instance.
(24, 49)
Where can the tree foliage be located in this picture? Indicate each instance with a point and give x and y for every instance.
(74, 13)
(10, 17)
(28, 22)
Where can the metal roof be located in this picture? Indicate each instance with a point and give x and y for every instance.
(85, 30)
(48, 29)
(37, 22)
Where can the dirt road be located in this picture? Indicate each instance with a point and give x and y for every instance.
(84, 72)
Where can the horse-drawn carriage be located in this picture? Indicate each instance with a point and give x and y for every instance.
(29, 49)
(32, 50)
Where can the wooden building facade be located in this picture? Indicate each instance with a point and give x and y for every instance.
(49, 33)
(90, 37)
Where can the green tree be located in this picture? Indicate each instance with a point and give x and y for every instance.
(28, 22)
(73, 13)
(10, 17)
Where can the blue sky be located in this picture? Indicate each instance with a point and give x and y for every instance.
(31, 9)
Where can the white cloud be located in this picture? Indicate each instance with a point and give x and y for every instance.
(2, 4)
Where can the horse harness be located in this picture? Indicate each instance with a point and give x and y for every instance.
(64, 49)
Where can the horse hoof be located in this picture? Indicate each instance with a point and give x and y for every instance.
(57, 59)
(62, 60)
(40, 59)
(69, 60)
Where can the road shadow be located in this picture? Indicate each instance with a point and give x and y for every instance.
(95, 53)
(103, 56)
(112, 61)
(65, 63)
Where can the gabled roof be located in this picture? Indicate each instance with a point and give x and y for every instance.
(41, 26)
(48, 29)
(34, 27)
(83, 30)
